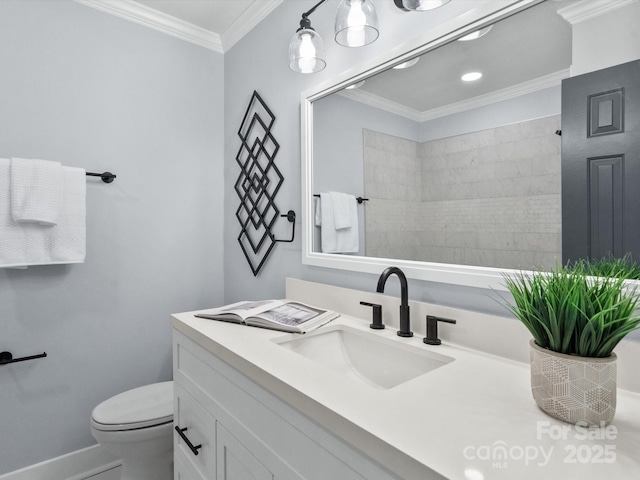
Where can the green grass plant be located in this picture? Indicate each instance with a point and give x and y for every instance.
(568, 311)
(609, 266)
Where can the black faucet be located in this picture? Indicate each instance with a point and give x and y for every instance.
(432, 329)
(377, 315)
(405, 328)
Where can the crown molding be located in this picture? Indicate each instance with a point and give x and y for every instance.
(151, 18)
(531, 86)
(385, 104)
(162, 22)
(253, 15)
(588, 9)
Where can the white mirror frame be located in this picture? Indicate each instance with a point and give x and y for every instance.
(473, 276)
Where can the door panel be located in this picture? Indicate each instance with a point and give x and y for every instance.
(601, 163)
(200, 431)
(235, 462)
(605, 197)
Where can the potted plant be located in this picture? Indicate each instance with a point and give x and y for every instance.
(576, 321)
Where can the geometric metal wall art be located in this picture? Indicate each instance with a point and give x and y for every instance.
(258, 184)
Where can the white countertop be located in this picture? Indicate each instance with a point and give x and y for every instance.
(472, 419)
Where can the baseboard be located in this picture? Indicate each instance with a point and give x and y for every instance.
(76, 465)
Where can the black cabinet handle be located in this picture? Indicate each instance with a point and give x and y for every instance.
(187, 441)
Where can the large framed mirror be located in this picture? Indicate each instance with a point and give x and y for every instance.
(462, 178)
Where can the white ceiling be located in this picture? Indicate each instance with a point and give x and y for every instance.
(529, 45)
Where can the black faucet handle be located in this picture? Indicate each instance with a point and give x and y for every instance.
(432, 329)
(377, 315)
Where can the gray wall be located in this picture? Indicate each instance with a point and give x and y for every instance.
(338, 140)
(339, 124)
(95, 91)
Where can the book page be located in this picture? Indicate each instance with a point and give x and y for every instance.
(292, 314)
(246, 309)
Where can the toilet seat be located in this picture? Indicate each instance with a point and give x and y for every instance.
(142, 407)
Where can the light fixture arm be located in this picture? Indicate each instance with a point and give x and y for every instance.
(305, 22)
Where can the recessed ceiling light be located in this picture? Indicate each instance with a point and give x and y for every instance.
(407, 64)
(471, 76)
(475, 35)
(355, 85)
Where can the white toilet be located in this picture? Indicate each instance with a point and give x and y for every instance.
(137, 426)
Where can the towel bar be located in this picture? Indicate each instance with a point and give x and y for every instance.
(291, 216)
(358, 199)
(7, 357)
(107, 177)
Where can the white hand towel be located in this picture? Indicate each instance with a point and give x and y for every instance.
(342, 209)
(345, 240)
(36, 190)
(69, 238)
(23, 243)
(318, 213)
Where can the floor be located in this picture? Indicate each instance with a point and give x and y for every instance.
(112, 474)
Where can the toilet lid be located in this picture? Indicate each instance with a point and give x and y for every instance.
(138, 408)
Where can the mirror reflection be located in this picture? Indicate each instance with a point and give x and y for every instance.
(455, 170)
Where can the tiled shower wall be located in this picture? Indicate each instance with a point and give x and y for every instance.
(393, 184)
(489, 198)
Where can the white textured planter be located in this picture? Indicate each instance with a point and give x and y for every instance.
(574, 389)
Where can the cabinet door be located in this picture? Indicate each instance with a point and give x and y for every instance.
(183, 469)
(200, 431)
(235, 462)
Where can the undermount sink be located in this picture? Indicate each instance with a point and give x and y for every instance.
(368, 357)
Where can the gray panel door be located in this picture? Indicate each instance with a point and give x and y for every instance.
(601, 163)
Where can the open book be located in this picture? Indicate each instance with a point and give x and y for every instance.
(284, 315)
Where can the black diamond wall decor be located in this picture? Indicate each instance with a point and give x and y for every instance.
(258, 183)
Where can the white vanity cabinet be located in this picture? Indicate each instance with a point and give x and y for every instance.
(244, 432)
(219, 454)
(201, 432)
(235, 462)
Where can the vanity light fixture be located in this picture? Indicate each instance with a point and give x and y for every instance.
(407, 64)
(475, 35)
(356, 23)
(306, 51)
(419, 5)
(471, 77)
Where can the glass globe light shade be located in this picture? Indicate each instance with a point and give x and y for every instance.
(356, 23)
(306, 51)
